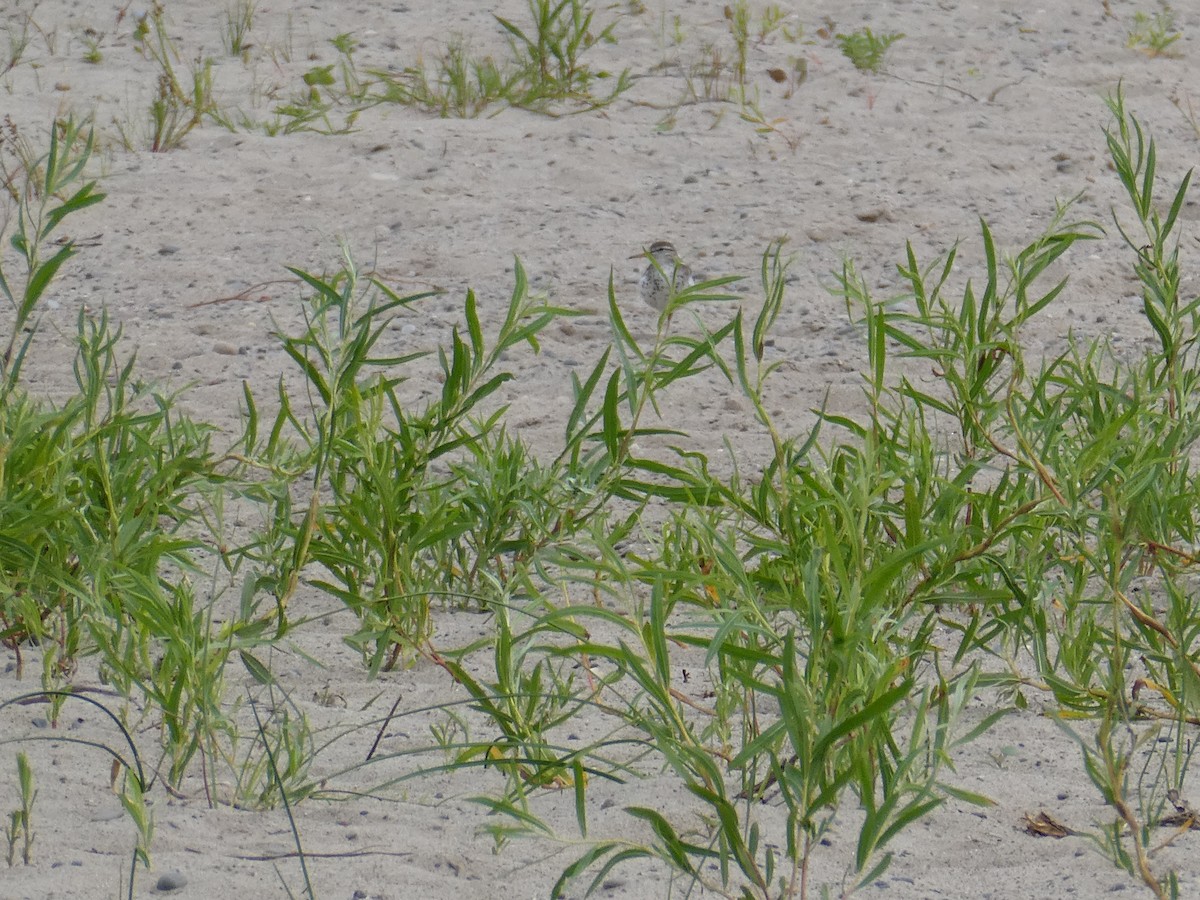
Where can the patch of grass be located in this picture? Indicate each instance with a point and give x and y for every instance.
(724, 72)
(329, 90)
(178, 106)
(544, 71)
(239, 20)
(1154, 34)
(17, 38)
(18, 832)
(91, 43)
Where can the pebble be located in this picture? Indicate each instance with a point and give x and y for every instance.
(225, 348)
(171, 881)
(874, 214)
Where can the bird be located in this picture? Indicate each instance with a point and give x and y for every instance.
(665, 276)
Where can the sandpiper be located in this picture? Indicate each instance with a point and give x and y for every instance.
(665, 277)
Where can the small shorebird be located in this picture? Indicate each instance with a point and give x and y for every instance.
(665, 277)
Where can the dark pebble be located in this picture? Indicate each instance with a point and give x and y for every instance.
(171, 881)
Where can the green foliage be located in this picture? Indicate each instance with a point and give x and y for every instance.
(19, 829)
(1154, 35)
(395, 536)
(544, 71)
(1036, 514)
(177, 106)
(239, 19)
(41, 208)
(865, 49)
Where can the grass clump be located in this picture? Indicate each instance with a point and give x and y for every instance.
(177, 106)
(1154, 34)
(724, 71)
(545, 69)
(19, 830)
(865, 49)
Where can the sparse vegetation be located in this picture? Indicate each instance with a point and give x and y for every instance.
(239, 19)
(1154, 34)
(1010, 527)
(18, 831)
(814, 591)
(865, 49)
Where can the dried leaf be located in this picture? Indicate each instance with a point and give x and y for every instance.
(1045, 825)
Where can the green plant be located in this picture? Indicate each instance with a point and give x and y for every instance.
(344, 89)
(544, 70)
(19, 829)
(550, 54)
(175, 110)
(1166, 425)
(459, 85)
(1009, 524)
(737, 17)
(41, 208)
(389, 542)
(1154, 35)
(239, 19)
(865, 49)
(91, 42)
(99, 500)
(717, 75)
(126, 765)
(18, 38)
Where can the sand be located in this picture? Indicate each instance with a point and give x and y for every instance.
(991, 110)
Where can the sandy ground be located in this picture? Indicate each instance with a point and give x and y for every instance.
(988, 109)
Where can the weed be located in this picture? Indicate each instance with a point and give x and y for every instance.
(721, 73)
(737, 17)
(550, 54)
(176, 108)
(239, 19)
(19, 830)
(91, 42)
(372, 453)
(343, 90)
(545, 68)
(1183, 103)
(460, 84)
(41, 207)
(1154, 35)
(17, 38)
(865, 49)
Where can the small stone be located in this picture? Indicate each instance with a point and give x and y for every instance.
(874, 214)
(225, 348)
(168, 250)
(171, 881)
